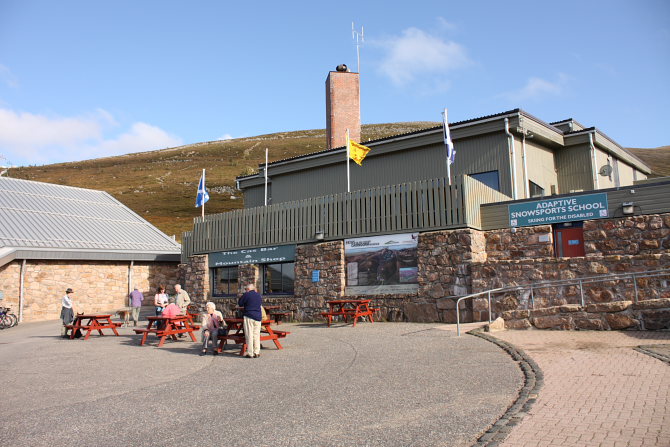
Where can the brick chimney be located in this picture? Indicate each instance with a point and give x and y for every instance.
(343, 107)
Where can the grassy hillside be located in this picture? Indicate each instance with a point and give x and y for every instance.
(161, 185)
(657, 159)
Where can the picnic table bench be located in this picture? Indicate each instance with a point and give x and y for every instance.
(349, 308)
(236, 334)
(96, 322)
(165, 327)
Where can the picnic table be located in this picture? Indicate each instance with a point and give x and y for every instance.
(236, 334)
(96, 322)
(276, 312)
(165, 327)
(349, 308)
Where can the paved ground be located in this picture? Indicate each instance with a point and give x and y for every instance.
(597, 391)
(382, 384)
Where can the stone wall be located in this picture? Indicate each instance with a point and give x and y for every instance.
(328, 258)
(524, 242)
(98, 286)
(645, 315)
(633, 235)
(10, 285)
(194, 277)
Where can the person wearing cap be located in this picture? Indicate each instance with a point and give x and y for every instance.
(136, 299)
(66, 311)
(183, 300)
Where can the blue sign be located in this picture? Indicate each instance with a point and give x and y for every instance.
(566, 209)
(316, 275)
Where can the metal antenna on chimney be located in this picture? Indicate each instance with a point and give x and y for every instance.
(358, 39)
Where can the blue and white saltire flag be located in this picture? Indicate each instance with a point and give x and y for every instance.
(451, 152)
(203, 195)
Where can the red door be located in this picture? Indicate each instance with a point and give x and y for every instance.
(569, 241)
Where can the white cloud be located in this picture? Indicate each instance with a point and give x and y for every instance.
(226, 137)
(416, 54)
(27, 138)
(537, 88)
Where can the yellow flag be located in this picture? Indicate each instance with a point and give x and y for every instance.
(357, 152)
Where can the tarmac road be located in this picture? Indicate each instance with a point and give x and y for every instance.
(382, 384)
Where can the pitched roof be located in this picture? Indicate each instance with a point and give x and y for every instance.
(42, 219)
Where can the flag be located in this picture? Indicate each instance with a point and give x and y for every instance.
(451, 152)
(357, 151)
(203, 195)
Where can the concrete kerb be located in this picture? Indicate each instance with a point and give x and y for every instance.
(649, 350)
(533, 382)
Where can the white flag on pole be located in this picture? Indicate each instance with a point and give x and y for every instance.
(203, 195)
(451, 152)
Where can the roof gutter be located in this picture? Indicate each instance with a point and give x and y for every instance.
(594, 166)
(512, 153)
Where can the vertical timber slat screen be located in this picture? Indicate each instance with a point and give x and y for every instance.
(425, 205)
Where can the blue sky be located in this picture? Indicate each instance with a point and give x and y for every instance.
(85, 79)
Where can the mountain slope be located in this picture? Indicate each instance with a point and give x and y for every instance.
(161, 185)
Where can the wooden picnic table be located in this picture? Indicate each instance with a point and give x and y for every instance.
(165, 327)
(349, 308)
(96, 322)
(236, 334)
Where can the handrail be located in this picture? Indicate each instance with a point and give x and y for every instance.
(558, 283)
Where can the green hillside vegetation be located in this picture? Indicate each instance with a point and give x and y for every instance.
(161, 185)
(657, 159)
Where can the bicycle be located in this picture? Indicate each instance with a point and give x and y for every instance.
(7, 319)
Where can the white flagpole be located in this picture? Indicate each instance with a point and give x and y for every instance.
(446, 132)
(203, 187)
(266, 176)
(348, 146)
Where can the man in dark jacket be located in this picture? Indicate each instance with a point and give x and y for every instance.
(252, 302)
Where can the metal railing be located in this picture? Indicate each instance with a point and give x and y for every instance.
(559, 283)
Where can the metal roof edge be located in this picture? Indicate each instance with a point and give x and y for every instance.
(86, 255)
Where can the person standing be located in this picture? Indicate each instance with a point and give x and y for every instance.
(183, 300)
(252, 301)
(66, 311)
(136, 299)
(160, 300)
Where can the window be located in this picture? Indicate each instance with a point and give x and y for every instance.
(489, 178)
(278, 278)
(535, 190)
(225, 281)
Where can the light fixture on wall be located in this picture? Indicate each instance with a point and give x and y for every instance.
(319, 235)
(628, 208)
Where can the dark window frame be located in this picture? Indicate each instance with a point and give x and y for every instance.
(475, 176)
(284, 290)
(532, 186)
(234, 286)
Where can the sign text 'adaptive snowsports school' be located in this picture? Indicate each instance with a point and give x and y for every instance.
(566, 209)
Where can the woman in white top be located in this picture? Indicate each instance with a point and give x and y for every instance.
(160, 300)
(66, 311)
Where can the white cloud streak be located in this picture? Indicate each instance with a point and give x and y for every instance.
(27, 138)
(416, 54)
(537, 88)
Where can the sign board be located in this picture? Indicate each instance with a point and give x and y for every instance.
(566, 209)
(260, 255)
(316, 275)
(382, 264)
